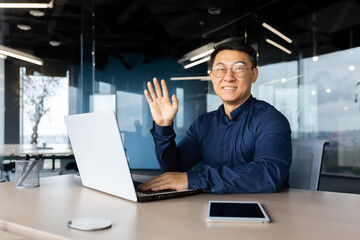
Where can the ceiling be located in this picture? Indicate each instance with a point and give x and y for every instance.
(155, 28)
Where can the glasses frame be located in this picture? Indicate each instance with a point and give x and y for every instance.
(232, 70)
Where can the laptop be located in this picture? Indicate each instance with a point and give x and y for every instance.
(101, 159)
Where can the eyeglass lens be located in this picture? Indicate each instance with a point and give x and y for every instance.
(238, 70)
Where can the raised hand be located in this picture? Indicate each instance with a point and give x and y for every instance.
(162, 110)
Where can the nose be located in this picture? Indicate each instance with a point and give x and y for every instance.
(229, 75)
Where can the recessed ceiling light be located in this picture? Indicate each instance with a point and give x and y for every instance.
(37, 13)
(54, 43)
(351, 68)
(23, 27)
(214, 10)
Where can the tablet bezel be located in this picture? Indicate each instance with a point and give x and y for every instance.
(265, 219)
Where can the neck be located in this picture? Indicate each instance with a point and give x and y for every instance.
(229, 107)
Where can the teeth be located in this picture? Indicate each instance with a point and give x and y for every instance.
(228, 88)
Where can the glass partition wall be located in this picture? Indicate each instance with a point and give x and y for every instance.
(319, 96)
(314, 80)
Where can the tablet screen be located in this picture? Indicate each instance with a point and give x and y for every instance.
(236, 211)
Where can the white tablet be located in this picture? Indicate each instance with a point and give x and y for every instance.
(235, 211)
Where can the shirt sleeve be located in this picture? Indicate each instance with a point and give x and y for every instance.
(265, 174)
(173, 157)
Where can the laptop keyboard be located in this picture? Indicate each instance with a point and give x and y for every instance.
(151, 191)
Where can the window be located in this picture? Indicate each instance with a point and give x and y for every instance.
(43, 99)
(320, 101)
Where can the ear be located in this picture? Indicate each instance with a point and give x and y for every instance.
(255, 75)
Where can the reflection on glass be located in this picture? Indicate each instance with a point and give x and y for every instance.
(338, 112)
(138, 141)
(320, 101)
(277, 84)
(99, 102)
(180, 113)
(213, 102)
(129, 110)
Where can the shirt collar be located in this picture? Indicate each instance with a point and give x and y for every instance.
(237, 112)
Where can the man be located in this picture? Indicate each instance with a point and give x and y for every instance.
(245, 145)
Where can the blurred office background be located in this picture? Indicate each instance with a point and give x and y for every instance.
(98, 55)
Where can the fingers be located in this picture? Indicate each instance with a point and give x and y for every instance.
(164, 88)
(175, 101)
(157, 93)
(159, 185)
(147, 96)
(154, 184)
(157, 87)
(169, 180)
(151, 94)
(151, 90)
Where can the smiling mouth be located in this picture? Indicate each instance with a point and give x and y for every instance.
(229, 88)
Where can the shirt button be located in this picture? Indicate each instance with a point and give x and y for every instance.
(212, 190)
(193, 186)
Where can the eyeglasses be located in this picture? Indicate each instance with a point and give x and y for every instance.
(238, 70)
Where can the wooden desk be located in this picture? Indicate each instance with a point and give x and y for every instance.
(43, 213)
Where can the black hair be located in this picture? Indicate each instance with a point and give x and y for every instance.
(234, 45)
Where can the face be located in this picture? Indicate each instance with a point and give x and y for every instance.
(233, 90)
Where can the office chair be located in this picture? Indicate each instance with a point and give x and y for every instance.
(2, 179)
(6, 168)
(307, 155)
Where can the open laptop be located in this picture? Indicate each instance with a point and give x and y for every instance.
(101, 159)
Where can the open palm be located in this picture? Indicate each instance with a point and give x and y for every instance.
(162, 110)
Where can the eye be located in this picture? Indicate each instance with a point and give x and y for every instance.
(238, 69)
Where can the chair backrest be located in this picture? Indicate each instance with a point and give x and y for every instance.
(1, 169)
(307, 155)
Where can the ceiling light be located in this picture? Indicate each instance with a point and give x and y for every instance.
(197, 62)
(201, 55)
(197, 53)
(202, 78)
(346, 108)
(283, 80)
(37, 13)
(214, 10)
(54, 43)
(20, 55)
(278, 46)
(328, 90)
(23, 27)
(315, 58)
(27, 5)
(313, 92)
(267, 26)
(351, 68)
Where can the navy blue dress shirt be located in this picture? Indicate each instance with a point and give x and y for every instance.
(251, 152)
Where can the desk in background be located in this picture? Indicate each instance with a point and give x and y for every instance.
(18, 151)
(43, 213)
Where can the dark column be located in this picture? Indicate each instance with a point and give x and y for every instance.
(12, 135)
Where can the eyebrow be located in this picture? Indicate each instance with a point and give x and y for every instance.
(240, 62)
